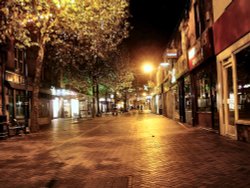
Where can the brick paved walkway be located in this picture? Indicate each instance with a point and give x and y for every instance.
(130, 150)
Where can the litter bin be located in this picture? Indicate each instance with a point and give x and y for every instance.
(3, 127)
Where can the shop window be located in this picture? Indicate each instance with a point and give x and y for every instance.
(10, 106)
(203, 91)
(230, 96)
(188, 95)
(66, 108)
(44, 108)
(176, 98)
(20, 99)
(243, 81)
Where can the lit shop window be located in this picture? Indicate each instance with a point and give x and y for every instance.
(56, 107)
(188, 94)
(74, 108)
(66, 108)
(243, 81)
(203, 91)
(176, 97)
(20, 104)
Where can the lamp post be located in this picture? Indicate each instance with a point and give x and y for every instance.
(148, 68)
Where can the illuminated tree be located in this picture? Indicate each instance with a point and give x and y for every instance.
(112, 74)
(96, 26)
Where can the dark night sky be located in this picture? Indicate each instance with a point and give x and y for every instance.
(153, 22)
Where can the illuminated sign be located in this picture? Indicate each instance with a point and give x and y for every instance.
(171, 53)
(164, 64)
(194, 55)
(62, 92)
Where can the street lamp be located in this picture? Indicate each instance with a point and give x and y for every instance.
(148, 68)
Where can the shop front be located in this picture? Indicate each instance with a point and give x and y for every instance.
(188, 100)
(171, 101)
(204, 109)
(155, 101)
(176, 102)
(232, 49)
(65, 103)
(15, 97)
(166, 88)
(235, 91)
(85, 107)
(242, 59)
(105, 104)
(70, 104)
(16, 103)
(200, 85)
(183, 89)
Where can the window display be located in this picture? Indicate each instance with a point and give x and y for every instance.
(10, 106)
(203, 91)
(66, 108)
(176, 98)
(243, 82)
(20, 98)
(188, 96)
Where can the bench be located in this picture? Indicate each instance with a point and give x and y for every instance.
(16, 127)
(3, 127)
(3, 130)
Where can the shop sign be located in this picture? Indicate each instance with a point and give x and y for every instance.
(166, 86)
(171, 53)
(202, 50)
(194, 55)
(62, 92)
(13, 77)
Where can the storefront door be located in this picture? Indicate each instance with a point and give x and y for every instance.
(228, 98)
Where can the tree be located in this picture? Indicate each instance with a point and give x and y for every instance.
(124, 74)
(97, 26)
(103, 76)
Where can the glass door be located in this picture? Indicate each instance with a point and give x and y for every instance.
(228, 98)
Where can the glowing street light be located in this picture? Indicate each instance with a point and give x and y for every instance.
(147, 68)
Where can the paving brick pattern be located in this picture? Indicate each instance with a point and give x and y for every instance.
(129, 150)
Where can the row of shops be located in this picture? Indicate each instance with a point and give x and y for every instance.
(70, 104)
(192, 98)
(54, 103)
(208, 84)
